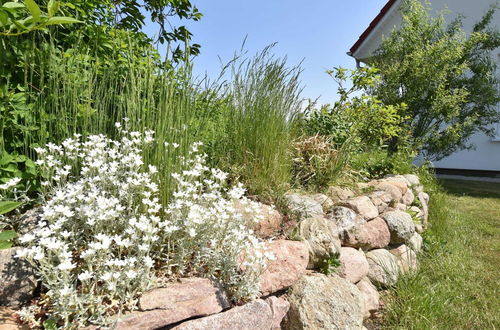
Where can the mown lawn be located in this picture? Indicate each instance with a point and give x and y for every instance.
(458, 284)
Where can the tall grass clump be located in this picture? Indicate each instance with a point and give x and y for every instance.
(79, 94)
(263, 102)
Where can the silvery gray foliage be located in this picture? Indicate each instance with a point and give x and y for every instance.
(104, 237)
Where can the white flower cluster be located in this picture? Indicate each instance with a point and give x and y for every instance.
(100, 222)
(104, 237)
(205, 231)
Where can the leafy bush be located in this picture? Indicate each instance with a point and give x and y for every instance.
(104, 237)
(378, 163)
(446, 77)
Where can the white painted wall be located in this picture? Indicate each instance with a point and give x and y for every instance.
(486, 155)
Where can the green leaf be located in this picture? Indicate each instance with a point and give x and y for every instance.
(13, 5)
(7, 235)
(61, 20)
(53, 7)
(7, 206)
(5, 245)
(33, 8)
(50, 324)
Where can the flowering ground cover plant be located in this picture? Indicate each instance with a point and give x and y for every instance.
(104, 237)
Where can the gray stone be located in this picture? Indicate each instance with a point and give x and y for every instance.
(415, 242)
(400, 225)
(412, 179)
(17, 279)
(303, 206)
(407, 258)
(29, 221)
(363, 206)
(324, 302)
(326, 202)
(339, 193)
(384, 269)
(322, 238)
(424, 201)
(254, 315)
(345, 219)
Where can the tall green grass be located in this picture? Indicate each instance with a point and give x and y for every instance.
(245, 117)
(259, 124)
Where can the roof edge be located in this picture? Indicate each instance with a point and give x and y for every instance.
(371, 27)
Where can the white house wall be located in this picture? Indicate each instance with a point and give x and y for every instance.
(486, 155)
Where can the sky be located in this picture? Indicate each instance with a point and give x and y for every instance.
(315, 33)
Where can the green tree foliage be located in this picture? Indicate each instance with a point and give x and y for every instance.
(445, 76)
(357, 118)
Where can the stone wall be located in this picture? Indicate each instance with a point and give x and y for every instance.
(374, 236)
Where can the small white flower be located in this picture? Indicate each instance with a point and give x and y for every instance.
(86, 275)
(66, 265)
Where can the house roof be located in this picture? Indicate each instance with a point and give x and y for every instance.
(372, 26)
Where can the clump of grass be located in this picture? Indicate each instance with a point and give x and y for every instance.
(246, 122)
(456, 286)
(263, 102)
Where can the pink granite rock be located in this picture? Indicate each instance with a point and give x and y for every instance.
(279, 308)
(289, 266)
(362, 205)
(269, 223)
(254, 315)
(370, 295)
(190, 297)
(353, 264)
(408, 198)
(372, 235)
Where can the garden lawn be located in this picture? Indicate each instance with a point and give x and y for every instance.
(458, 284)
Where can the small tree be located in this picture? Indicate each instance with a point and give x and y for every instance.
(445, 76)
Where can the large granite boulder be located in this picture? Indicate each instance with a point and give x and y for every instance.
(290, 264)
(339, 193)
(190, 297)
(17, 279)
(345, 219)
(324, 302)
(400, 225)
(384, 269)
(408, 198)
(254, 315)
(264, 220)
(322, 239)
(362, 205)
(303, 206)
(393, 190)
(368, 236)
(353, 264)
